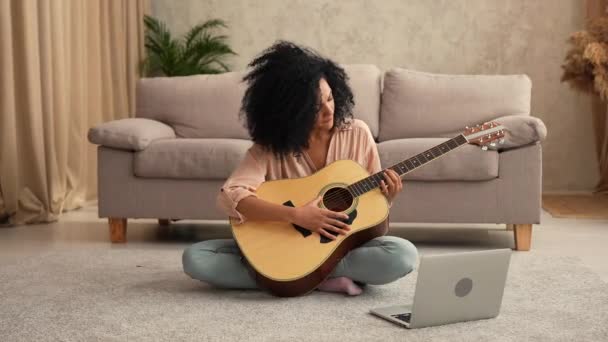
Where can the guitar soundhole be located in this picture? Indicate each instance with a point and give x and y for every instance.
(337, 199)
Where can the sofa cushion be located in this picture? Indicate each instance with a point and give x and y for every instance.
(190, 158)
(365, 82)
(418, 104)
(466, 163)
(199, 106)
(130, 133)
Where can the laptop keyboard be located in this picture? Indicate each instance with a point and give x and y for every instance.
(403, 317)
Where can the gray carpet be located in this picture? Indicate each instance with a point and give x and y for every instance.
(140, 294)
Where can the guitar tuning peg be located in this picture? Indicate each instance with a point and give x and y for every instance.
(484, 147)
(501, 141)
(466, 127)
(493, 144)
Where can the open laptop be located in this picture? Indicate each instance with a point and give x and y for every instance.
(454, 287)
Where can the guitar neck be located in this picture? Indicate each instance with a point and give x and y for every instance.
(372, 182)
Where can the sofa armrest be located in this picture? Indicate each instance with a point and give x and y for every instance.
(521, 130)
(130, 134)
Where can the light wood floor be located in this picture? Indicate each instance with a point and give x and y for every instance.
(577, 206)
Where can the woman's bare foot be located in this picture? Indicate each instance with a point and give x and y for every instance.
(340, 284)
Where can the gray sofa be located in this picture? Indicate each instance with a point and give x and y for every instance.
(169, 161)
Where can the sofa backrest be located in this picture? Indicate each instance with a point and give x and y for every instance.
(198, 106)
(365, 81)
(207, 106)
(418, 104)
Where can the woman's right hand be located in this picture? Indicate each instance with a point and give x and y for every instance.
(319, 220)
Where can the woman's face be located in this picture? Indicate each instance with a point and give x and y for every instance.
(325, 116)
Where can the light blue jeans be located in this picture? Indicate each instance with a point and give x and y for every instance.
(379, 261)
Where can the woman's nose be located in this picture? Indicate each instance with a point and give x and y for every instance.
(326, 108)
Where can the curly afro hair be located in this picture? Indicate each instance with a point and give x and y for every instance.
(282, 99)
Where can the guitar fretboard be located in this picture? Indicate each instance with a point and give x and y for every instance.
(370, 183)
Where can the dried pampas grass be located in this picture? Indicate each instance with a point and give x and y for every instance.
(585, 67)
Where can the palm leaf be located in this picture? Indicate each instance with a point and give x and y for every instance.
(199, 29)
(197, 52)
(205, 49)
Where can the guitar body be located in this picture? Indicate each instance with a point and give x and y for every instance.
(289, 260)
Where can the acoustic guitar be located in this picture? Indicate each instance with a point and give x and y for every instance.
(289, 260)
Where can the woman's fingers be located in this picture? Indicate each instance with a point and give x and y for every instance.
(342, 229)
(389, 180)
(396, 179)
(384, 187)
(392, 174)
(326, 234)
(338, 224)
(335, 214)
(329, 227)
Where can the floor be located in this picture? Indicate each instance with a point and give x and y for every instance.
(583, 206)
(585, 239)
(65, 281)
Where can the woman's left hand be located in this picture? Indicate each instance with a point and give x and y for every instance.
(392, 185)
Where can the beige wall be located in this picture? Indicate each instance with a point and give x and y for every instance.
(451, 36)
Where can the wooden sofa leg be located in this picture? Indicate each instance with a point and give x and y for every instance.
(523, 235)
(118, 229)
(164, 222)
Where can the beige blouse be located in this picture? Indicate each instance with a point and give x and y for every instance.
(354, 142)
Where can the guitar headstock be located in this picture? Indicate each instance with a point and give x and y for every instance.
(485, 134)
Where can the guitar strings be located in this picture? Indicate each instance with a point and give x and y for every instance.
(340, 197)
(336, 199)
(334, 204)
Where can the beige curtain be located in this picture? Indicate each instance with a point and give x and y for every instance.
(65, 66)
(595, 8)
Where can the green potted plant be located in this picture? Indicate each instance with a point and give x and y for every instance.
(198, 51)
